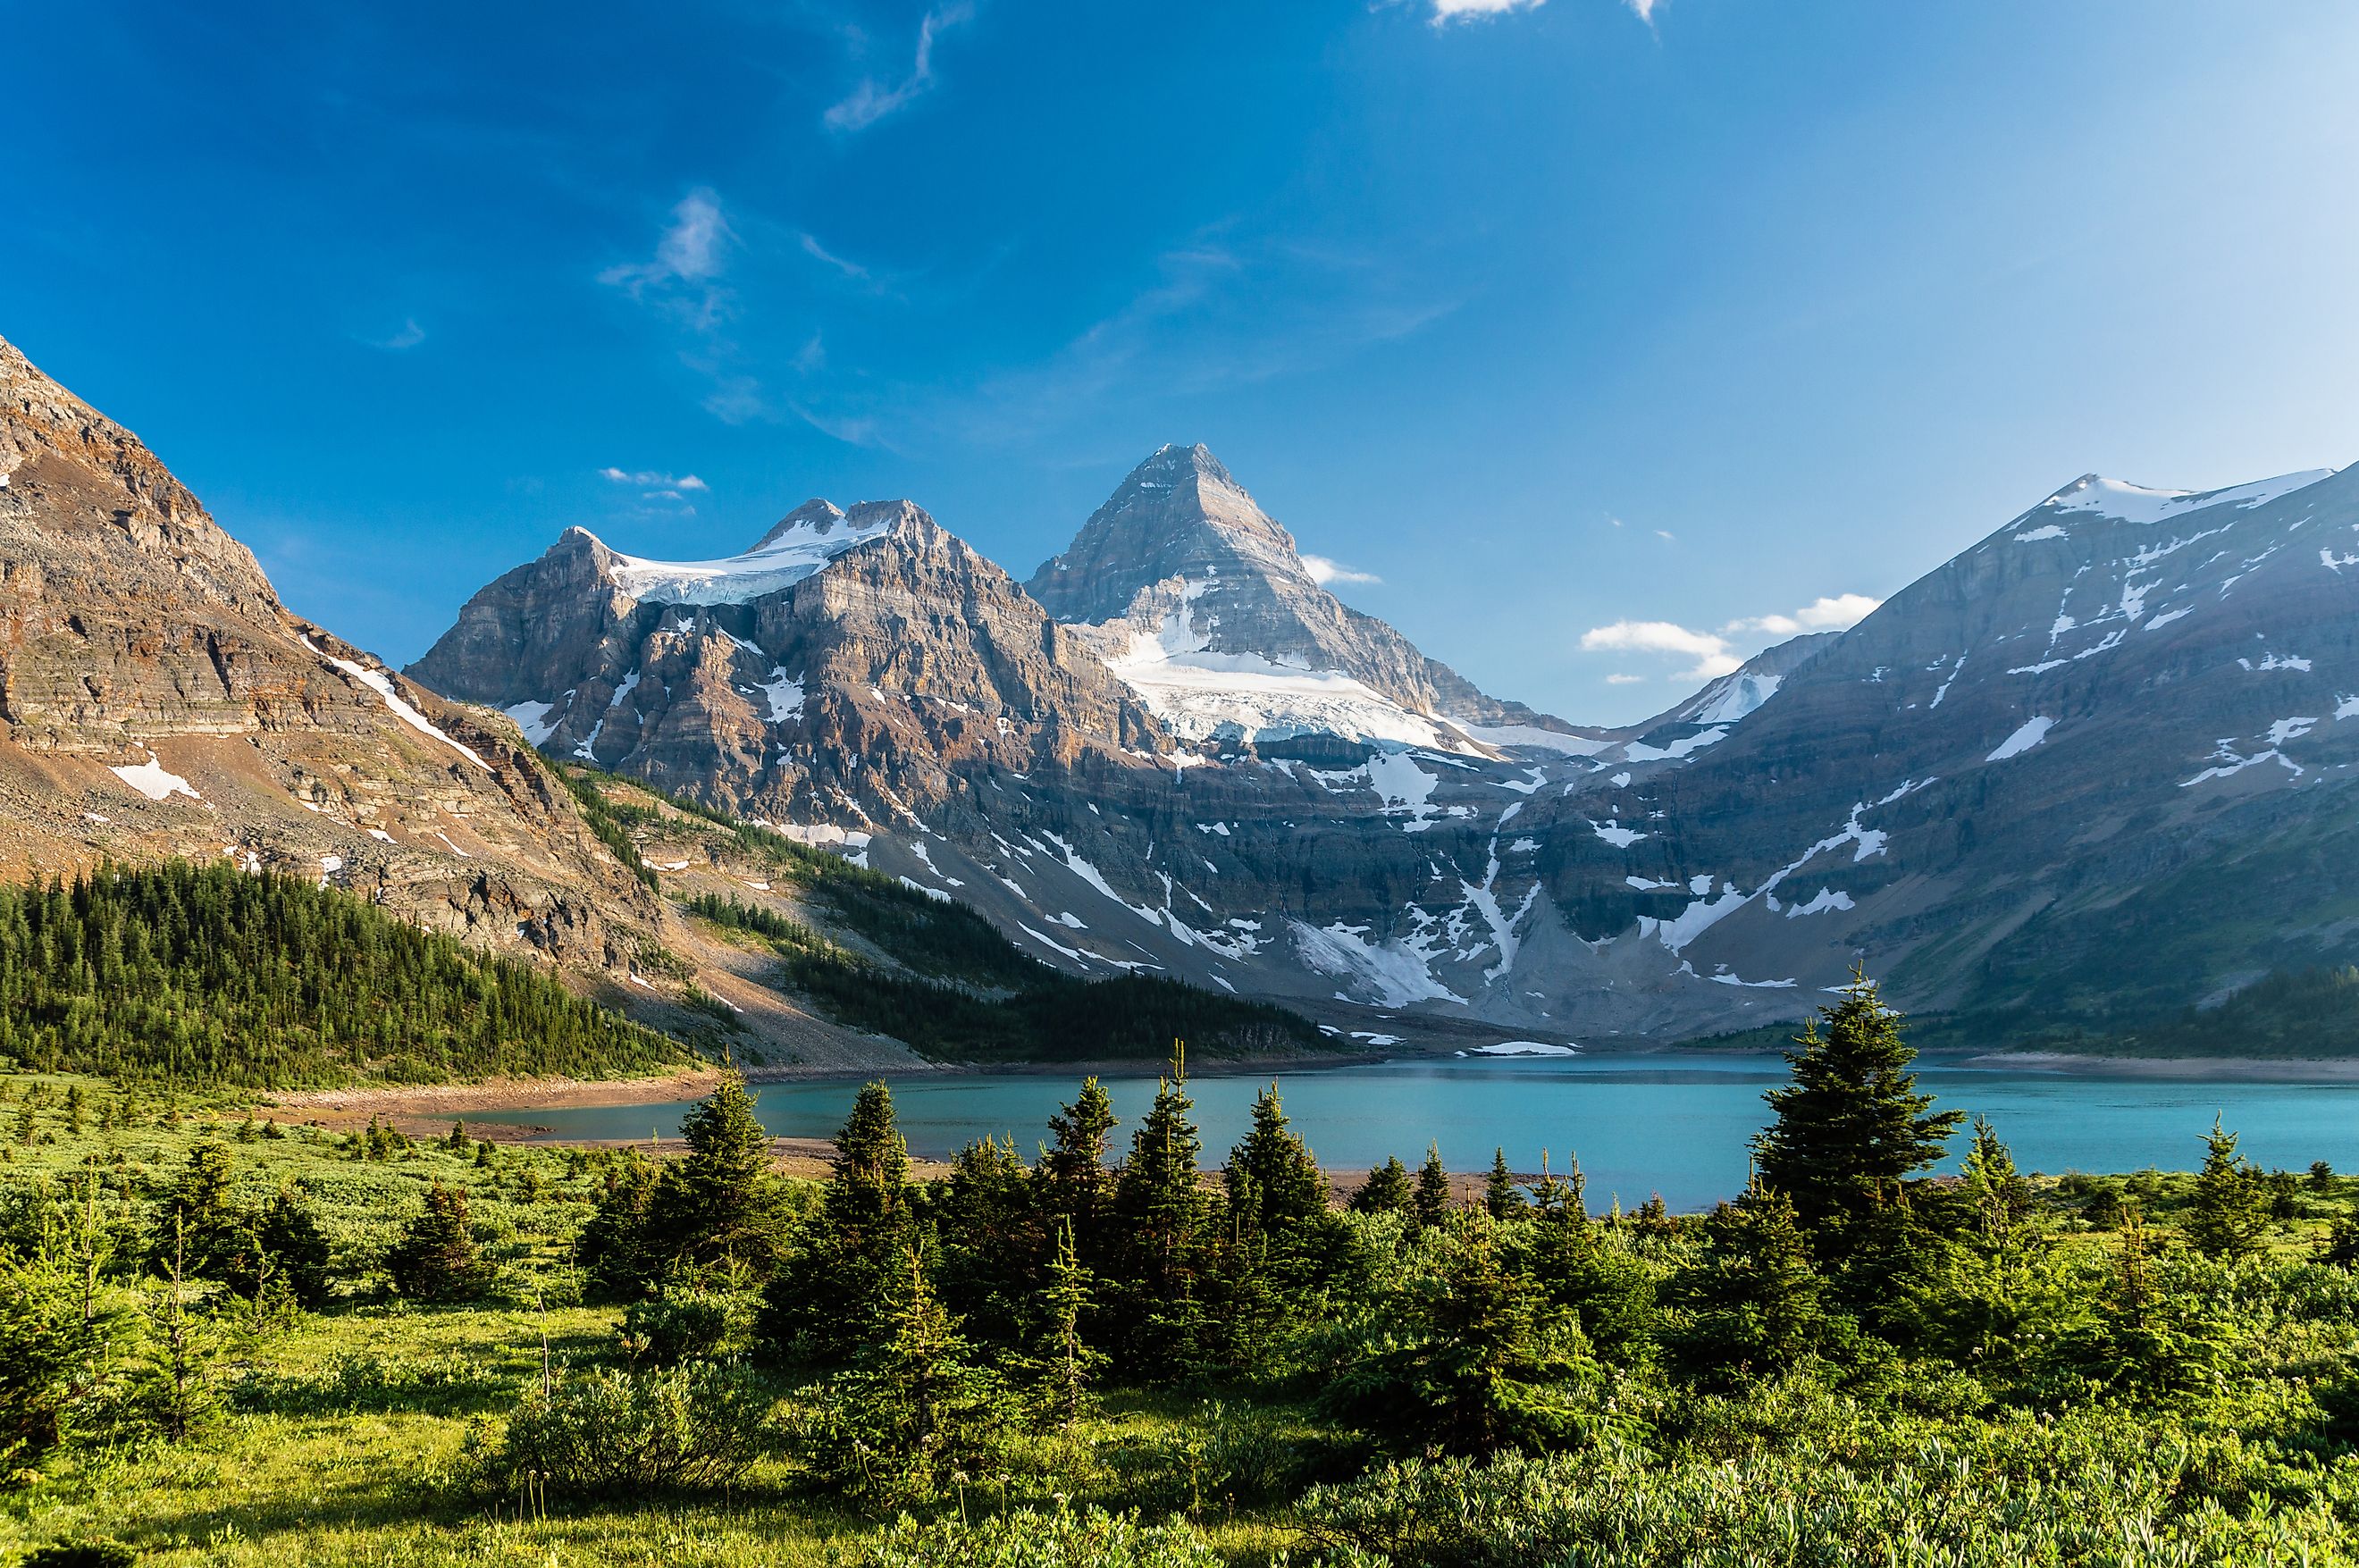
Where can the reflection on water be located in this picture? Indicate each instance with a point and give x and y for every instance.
(1677, 1123)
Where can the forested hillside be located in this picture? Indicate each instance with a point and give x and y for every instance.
(949, 985)
(208, 975)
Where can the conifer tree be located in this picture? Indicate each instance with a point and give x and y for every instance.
(718, 1205)
(1273, 1184)
(615, 1249)
(2000, 1199)
(1385, 1191)
(2230, 1214)
(1160, 1203)
(834, 1290)
(1501, 1196)
(994, 1240)
(199, 1229)
(1851, 1129)
(1432, 1197)
(1754, 1297)
(1066, 1366)
(1074, 1180)
(436, 1260)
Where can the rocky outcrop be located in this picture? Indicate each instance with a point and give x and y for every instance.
(877, 683)
(156, 698)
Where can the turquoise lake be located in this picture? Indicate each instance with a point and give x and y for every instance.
(1674, 1124)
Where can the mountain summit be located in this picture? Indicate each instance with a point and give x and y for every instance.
(1200, 601)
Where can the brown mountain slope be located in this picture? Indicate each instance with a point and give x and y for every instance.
(157, 699)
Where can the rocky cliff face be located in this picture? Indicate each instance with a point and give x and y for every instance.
(1202, 603)
(853, 668)
(157, 699)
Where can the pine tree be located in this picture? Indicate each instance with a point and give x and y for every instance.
(718, 1205)
(1432, 1197)
(1851, 1131)
(1160, 1203)
(2228, 1217)
(1754, 1297)
(201, 1229)
(1273, 1184)
(1501, 1196)
(436, 1260)
(1385, 1191)
(2000, 1199)
(1074, 1180)
(833, 1291)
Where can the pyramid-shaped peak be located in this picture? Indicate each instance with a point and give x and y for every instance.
(1172, 462)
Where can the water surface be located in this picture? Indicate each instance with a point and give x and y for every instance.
(1676, 1123)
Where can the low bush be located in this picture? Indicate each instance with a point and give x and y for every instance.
(628, 1434)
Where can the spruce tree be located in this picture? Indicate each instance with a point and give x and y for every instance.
(1075, 1183)
(1162, 1206)
(436, 1260)
(1501, 1196)
(834, 1290)
(718, 1205)
(1385, 1191)
(616, 1249)
(1852, 1130)
(1273, 1184)
(1755, 1302)
(1432, 1197)
(1066, 1365)
(2229, 1215)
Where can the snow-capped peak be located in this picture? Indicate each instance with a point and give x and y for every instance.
(2095, 495)
(807, 539)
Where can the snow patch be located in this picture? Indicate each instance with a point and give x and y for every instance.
(2032, 731)
(154, 780)
(780, 562)
(533, 719)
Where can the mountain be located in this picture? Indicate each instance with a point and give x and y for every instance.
(1204, 607)
(158, 700)
(2096, 768)
(2086, 775)
(855, 668)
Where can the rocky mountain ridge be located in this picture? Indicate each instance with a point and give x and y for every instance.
(1280, 801)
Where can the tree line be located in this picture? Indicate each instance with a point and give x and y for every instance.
(208, 975)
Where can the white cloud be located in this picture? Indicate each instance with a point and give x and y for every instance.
(1448, 11)
(1840, 613)
(1644, 9)
(1323, 571)
(410, 335)
(652, 479)
(1716, 653)
(1622, 678)
(870, 102)
(1711, 653)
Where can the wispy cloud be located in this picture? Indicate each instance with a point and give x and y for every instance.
(1624, 677)
(1323, 571)
(652, 479)
(683, 278)
(853, 269)
(1715, 654)
(1644, 9)
(871, 100)
(410, 335)
(1448, 11)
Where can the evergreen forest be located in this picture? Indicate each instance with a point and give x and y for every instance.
(229, 1338)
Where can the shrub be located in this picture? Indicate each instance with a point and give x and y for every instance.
(693, 1428)
(682, 1323)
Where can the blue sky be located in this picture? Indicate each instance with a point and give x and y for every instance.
(1547, 316)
